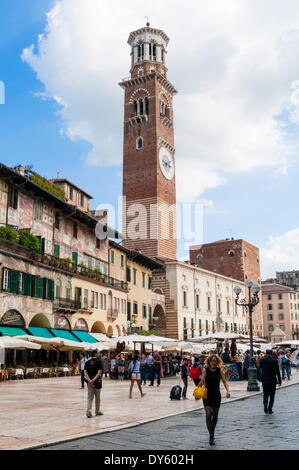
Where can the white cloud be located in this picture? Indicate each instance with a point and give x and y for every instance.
(281, 253)
(233, 62)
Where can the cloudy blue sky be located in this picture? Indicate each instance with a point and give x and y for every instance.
(235, 64)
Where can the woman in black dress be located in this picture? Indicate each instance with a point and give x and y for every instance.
(211, 376)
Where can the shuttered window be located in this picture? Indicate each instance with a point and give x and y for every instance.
(6, 274)
(40, 288)
(57, 251)
(14, 282)
(51, 289)
(27, 284)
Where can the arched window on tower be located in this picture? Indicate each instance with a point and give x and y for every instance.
(141, 106)
(139, 53)
(146, 106)
(135, 108)
(162, 56)
(154, 52)
(139, 143)
(163, 108)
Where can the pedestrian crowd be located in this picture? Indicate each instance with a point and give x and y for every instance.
(206, 371)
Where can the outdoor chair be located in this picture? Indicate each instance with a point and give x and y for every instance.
(37, 373)
(29, 373)
(11, 373)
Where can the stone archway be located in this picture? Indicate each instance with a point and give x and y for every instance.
(159, 320)
(98, 327)
(40, 321)
(12, 318)
(110, 331)
(116, 331)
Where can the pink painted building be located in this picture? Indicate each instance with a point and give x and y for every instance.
(280, 308)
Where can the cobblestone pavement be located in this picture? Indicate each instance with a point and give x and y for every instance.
(242, 425)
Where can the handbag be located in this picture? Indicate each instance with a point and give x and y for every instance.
(200, 392)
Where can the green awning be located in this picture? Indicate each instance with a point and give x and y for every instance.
(84, 336)
(40, 332)
(66, 334)
(10, 331)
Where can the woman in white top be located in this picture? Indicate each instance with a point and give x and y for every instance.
(134, 368)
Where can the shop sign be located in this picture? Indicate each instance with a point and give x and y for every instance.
(12, 318)
(62, 323)
(81, 325)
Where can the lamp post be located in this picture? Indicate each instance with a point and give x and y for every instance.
(253, 300)
(130, 327)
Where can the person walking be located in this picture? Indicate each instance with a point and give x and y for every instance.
(150, 365)
(211, 376)
(270, 377)
(285, 366)
(297, 362)
(225, 356)
(121, 367)
(106, 365)
(184, 375)
(195, 372)
(143, 369)
(134, 368)
(82, 362)
(93, 374)
(156, 371)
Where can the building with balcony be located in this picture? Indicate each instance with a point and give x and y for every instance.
(54, 270)
(137, 270)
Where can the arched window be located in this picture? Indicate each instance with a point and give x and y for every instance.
(141, 106)
(146, 106)
(163, 108)
(154, 51)
(136, 108)
(139, 143)
(68, 290)
(58, 289)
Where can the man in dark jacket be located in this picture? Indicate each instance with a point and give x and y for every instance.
(270, 377)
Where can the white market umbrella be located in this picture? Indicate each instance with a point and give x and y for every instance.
(220, 336)
(101, 337)
(8, 342)
(57, 343)
(291, 342)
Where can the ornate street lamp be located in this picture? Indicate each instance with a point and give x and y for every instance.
(130, 327)
(253, 300)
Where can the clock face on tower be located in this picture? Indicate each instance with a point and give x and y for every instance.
(166, 163)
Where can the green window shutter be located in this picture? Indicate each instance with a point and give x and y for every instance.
(14, 282)
(51, 289)
(57, 251)
(33, 286)
(45, 289)
(89, 263)
(27, 284)
(75, 257)
(40, 287)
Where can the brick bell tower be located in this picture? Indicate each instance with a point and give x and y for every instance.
(149, 216)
